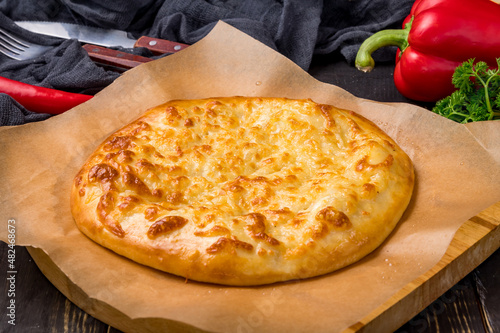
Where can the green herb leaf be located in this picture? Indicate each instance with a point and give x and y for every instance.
(477, 97)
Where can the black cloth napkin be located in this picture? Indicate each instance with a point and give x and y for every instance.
(298, 29)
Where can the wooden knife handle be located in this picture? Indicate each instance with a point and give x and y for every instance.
(114, 58)
(159, 46)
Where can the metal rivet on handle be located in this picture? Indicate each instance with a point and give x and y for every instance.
(152, 43)
(177, 47)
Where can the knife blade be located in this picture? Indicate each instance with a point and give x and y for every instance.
(100, 37)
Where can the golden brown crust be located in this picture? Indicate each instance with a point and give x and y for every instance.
(244, 191)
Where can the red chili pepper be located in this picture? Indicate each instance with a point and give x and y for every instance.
(437, 36)
(40, 99)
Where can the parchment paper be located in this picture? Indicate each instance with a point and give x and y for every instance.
(457, 176)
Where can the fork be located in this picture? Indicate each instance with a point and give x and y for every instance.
(19, 49)
(16, 48)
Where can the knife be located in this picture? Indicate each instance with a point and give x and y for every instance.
(112, 59)
(101, 37)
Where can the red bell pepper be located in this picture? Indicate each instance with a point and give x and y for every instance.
(437, 36)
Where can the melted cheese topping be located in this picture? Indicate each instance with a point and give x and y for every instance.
(273, 186)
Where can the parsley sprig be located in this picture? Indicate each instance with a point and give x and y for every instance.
(478, 94)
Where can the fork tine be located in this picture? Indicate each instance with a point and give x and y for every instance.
(7, 46)
(9, 53)
(15, 48)
(13, 39)
(10, 42)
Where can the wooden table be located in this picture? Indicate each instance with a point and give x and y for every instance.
(472, 305)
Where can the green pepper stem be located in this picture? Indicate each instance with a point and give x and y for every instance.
(391, 37)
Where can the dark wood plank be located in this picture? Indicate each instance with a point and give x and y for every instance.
(472, 305)
(487, 283)
(456, 310)
(40, 307)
